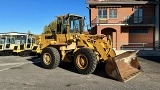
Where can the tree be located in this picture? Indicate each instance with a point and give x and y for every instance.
(49, 28)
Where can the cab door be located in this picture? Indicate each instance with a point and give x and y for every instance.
(2, 43)
(7, 43)
(28, 44)
(61, 34)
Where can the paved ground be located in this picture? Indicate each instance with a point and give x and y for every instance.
(26, 73)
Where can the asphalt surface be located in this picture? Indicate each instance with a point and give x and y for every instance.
(27, 73)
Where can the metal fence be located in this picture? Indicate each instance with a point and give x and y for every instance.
(123, 19)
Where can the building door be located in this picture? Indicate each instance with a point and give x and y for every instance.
(112, 33)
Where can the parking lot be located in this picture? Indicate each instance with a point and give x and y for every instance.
(26, 73)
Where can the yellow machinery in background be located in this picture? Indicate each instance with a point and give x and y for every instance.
(25, 47)
(6, 45)
(36, 49)
(68, 43)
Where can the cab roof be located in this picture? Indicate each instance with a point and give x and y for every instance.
(70, 15)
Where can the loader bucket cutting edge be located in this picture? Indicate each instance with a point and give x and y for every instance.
(124, 66)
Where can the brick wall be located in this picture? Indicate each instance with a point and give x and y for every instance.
(120, 34)
(124, 11)
(143, 38)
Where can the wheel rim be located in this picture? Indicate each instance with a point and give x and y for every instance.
(82, 61)
(47, 58)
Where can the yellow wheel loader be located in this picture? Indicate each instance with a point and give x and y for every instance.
(25, 46)
(36, 47)
(68, 43)
(6, 45)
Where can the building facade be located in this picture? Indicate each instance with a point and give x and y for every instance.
(132, 24)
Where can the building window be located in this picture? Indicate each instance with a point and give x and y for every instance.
(138, 31)
(112, 13)
(102, 13)
(138, 15)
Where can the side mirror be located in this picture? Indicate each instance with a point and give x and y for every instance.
(89, 30)
(68, 14)
(54, 32)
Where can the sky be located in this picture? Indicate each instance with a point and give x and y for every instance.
(33, 15)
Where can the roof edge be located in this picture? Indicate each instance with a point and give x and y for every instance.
(121, 2)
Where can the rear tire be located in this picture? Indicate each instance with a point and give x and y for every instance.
(50, 58)
(85, 61)
(1, 53)
(22, 54)
(7, 53)
(25, 53)
(38, 55)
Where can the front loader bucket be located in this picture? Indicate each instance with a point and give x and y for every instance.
(124, 66)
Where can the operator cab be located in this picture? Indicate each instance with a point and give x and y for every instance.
(2, 42)
(28, 41)
(6, 41)
(68, 26)
(70, 23)
(9, 41)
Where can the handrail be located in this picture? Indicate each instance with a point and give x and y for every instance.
(125, 45)
(124, 19)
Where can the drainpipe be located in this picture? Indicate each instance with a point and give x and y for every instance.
(157, 25)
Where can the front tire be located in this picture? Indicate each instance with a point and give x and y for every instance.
(50, 58)
(85, 61)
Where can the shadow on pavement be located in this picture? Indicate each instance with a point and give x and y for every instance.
(36, 61)
(99, 71)
(69, 66)
(151, 58)
(150, 55)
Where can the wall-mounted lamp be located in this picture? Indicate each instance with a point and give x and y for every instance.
(88, 7)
